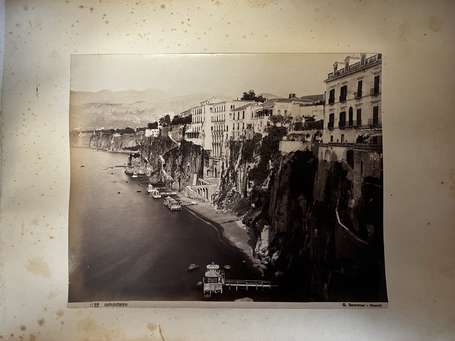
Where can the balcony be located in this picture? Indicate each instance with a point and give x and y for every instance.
(368, 62)
(373, 124)
(358, 95)
(342, 99)
(330, 125)
(374, 92)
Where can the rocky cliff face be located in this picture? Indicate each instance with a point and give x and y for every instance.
(170, 163)
(316, 225)
(180, 163)
(105, 141)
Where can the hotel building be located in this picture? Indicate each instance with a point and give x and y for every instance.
(353, 113)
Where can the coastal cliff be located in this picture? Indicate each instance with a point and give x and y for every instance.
(314, 219)
(175, 164)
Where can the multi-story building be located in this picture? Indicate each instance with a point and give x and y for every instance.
(222, 114)
(219, 128)
(352, 112)
(194, 131)
(242, 120)
(262, 116)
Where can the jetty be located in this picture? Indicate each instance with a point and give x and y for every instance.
(214, 282)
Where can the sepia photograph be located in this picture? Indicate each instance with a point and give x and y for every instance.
(226, 178)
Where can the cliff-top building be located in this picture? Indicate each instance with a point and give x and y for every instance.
(352, 112)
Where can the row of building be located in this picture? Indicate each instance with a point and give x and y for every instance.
(348, 112)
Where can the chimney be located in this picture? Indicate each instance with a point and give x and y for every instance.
(363, 57)
(291, 95)
(335, 67)
(346, 63)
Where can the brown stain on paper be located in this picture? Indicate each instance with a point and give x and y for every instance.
(452, 183)
(435, 23)
(39, 267)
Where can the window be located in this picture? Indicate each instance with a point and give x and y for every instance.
(331, 123)
(351, 118)
(350, 158)
(375, 116)
(332, 96)
(359, 117)
(342, 121)
(359, 89)
(243, 114)
(343, 93)
(376, 86)
(331, 138)
(342, 138)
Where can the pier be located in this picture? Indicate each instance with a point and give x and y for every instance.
(247, 283)
(214, 282)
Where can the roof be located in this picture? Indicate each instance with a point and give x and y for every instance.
(244, 106)
(306, 99)
(313, 98)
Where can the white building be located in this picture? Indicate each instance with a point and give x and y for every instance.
(353, 101)
(242, 119)
(194, 131)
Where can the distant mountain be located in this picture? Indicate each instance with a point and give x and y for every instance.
(269, 96)
(130, 108)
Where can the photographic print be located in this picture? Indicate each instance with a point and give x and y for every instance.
(214, 178)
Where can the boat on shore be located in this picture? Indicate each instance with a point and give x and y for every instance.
(155, 194)
(129, 170)
(172, 204)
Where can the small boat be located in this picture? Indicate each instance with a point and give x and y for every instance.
(155, 194)
(193, 267)
(134, 174)
(227, 267)
(172, 204)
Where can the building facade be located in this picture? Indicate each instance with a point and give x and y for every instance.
(242, 119)
(353, 112)
(194, 131)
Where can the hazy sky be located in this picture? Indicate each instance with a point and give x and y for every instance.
(229, 75)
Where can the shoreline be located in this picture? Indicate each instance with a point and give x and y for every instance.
(228, 225)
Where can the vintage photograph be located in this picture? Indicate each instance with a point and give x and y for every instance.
(226, 178)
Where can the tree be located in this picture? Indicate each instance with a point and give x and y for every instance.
(165, 121)
(251, 96)
(153, 125)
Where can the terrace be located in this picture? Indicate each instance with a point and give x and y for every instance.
(359, 66)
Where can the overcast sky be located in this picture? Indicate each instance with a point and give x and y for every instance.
(229, 75)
